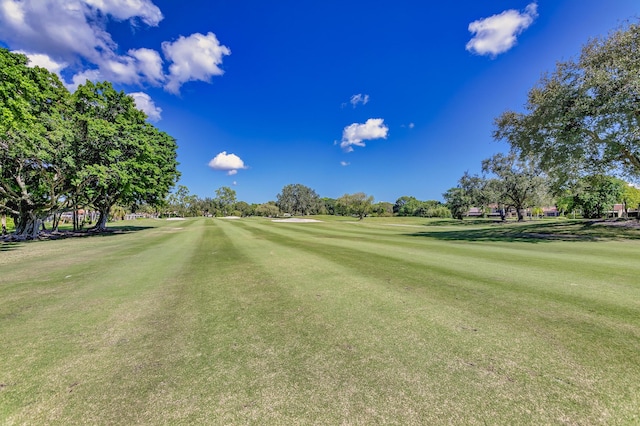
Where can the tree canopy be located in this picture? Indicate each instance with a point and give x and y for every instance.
(298, 199)
(518, 183)
(358, 204)
(225, 199)
(34, 138)
(597, 195)
(583, 118)
(62, 152)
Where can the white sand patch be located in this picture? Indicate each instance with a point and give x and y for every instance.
(296, 220)
(175, 218)
(230, 217)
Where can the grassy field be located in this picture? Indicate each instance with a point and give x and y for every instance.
(384, 321)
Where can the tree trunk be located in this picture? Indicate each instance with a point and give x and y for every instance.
(74, 217)
(28, 228)
(3, 219)
(520, 215)
(56, 222)
(101, 224)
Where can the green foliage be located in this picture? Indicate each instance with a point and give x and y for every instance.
(565, 203)
(382, 209)
(583, 118)
(597, 195)
(269, 209)
(225, 200)
(518, 183)
(328, 206)
(34, 141)
(120, 157)
(243, 209)
(458, 202)
(90, 150)
(358, 204)
(630, 196)
(298, 199)
(404, 205)
(411, 206)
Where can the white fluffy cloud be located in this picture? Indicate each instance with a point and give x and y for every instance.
(196, 57)
(82, 77)
(146, 104)
(497, 34)
(356, 133)
(149, 64)
(359, 99)
(44, 61)
(230, 163)
(128, 9)
(344, 163)
(71, 35)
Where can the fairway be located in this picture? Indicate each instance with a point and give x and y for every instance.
(381, 321)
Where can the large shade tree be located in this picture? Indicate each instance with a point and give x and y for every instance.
(120, 157)
(298, 199)
(225, 200)
(93, 149)
(517, 183)
(584, 118)
(34, 137)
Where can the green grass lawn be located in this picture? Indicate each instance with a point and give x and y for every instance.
(382, 321)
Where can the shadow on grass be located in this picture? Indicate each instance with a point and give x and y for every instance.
(539, 232)
(465, 222)
(6, 246)
(10, 240)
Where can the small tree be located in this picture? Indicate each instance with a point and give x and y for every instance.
(458, 202)
(598, 194)
(382, 209)
(358, 204)
(630, 197)
(518, 183)
(226, 199)
(269, 209)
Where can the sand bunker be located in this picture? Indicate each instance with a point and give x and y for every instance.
(175, 218)
(296, 220)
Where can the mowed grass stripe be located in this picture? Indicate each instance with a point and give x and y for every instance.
(548, 254)
(540, 328)
(358, 361)
(76, 333)
(578, 278)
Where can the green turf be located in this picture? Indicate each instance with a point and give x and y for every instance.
(381, 321)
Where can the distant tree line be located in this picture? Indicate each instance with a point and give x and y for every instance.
(62, 152)
(296, 199)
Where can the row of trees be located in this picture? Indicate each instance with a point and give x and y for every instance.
(510, 183)
(62, 152)
(580, 127)
(297, 199)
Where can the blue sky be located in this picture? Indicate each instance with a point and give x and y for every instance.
(389, 98)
